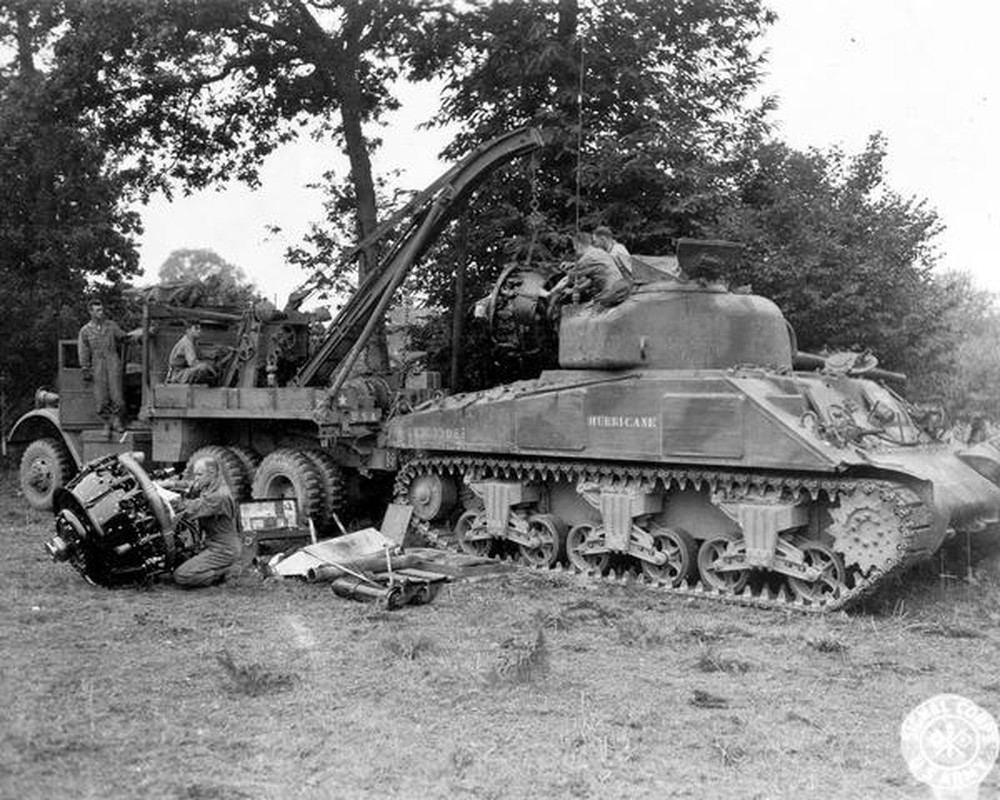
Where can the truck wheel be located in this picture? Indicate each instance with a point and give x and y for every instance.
(249, 458)
(45, 466)
(234, 471)
(290, 473)
(333, 485)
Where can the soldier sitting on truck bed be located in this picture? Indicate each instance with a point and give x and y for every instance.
(185, 364)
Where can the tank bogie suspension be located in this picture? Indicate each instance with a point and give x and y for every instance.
(738, 536)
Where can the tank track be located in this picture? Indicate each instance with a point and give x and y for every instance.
(898, 507)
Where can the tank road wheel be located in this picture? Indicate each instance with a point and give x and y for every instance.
(585, 548)
(290, 473)
(45, 466)
(832, 577)
(333, 487)
(471, 535)
(727, 582)
(550, 535)
(234, 471)
(432, 497)
(679, 548)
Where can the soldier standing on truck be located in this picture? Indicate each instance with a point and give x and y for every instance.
(211, 505)
(185, 364)
(102, 366)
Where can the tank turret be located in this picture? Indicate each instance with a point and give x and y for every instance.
(674, 325)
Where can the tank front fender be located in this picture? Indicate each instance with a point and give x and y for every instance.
(42, 423)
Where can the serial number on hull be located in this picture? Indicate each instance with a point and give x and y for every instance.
(436, 434)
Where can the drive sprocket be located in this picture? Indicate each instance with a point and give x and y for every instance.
(866, 530)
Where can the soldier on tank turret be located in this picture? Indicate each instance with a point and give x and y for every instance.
(604, 239)
(593, 276)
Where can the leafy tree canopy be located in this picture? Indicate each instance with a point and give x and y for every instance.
(848, 260)
(64, 227)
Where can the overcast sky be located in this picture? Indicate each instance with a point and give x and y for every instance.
(922, 71)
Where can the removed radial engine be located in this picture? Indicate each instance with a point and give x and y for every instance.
(682, 431)
(114, 525)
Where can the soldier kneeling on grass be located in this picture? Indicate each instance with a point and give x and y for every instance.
(211, 505)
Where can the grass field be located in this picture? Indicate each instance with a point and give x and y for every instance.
(520, 686)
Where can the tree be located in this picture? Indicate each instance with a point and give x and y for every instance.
(225, 284)
(969, 386)
(849, 261)
(64, 224)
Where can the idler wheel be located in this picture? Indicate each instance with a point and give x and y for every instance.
(550, 534)
(432, 497)
(679, 548)
(585, 548)
(470, 532)
(832, 577)
(709, 562)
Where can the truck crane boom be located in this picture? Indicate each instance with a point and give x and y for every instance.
(425, 216)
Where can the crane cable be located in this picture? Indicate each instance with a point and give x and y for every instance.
(579, 134)
(579, 161)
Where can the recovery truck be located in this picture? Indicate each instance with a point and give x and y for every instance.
(290, 416)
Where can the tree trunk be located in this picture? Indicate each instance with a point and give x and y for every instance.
(338, 68)
(25, 43)
(364, 193)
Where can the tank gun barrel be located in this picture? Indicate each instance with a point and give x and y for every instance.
(811, 361)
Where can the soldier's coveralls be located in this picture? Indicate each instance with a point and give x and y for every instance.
(215, 510)
(594, 274)
(97, 345)
(622, 258)
(185, 366)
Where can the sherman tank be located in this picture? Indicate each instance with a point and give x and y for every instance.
(683, 439)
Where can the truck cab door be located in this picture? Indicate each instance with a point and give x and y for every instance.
(76, 398)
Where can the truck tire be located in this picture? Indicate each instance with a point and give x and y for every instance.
(45, 466)
(332, 484)
(232, 467)
(250, 459)
(290, 473)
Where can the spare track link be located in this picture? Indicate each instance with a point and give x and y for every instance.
(910, 512)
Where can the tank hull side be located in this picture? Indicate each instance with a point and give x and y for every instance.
(695, 417)
(751, 420)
